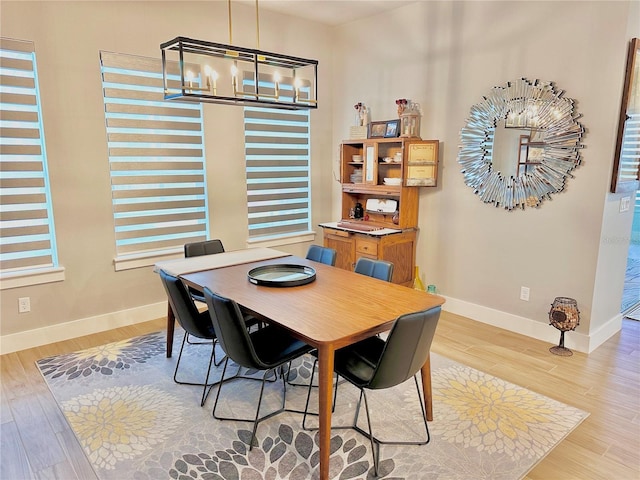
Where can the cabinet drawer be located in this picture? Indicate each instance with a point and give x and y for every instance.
(337, 233)
(367, 247)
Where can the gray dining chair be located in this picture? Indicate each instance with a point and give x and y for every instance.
(320, 254)
(266, 349)
(375, 363)
(194, 323)
(380, 269)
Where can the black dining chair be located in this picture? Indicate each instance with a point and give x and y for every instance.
(320, 254)
(266, 349)
(194, 323)
(380, 269)
(195, 249)
(374, 364)
(205, 247)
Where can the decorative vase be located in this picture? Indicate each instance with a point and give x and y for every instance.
(364, 116)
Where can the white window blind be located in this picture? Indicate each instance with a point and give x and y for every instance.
(156, 158)
(630, 151)
(278, 170)
(26, 223)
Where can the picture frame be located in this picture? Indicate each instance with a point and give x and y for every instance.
(384, 129)
(392, 129)
(377, 129)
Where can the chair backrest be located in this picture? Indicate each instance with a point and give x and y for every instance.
(231, 330)
(183, 307)
(380, 269)
(406, 349)
(320, 254)
(207, 247)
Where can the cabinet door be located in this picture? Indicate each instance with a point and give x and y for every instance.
(344, 245)
(422, 164)
(399, 249)
(370, 164)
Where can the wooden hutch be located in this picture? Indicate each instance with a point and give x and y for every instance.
(383, 175)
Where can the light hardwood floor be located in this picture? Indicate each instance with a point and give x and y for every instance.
(37, 443)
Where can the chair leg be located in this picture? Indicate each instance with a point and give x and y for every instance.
(306, 405)
(175, 372)
(205, 391)
(257, 419)
(191, 342)
(424, 411)
(375, 446)
(215, 342)
(206, 385)
(296, 384)
(215, 403)
(289, 372)
(375, 443)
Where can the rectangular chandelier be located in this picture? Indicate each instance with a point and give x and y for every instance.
(200, 71)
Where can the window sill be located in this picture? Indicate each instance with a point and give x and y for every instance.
(140, 260)
(32, 277)
(298, 237)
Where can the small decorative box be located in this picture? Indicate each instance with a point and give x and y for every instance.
(358, 133)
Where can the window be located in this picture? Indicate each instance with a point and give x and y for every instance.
(157, 162)
(278, 171)
(28, 254)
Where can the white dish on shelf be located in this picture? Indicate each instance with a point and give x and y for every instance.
(356, 158)
(387, 159)
(393, 181)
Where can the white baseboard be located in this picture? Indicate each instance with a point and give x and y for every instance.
(514, 323)
(605, 332)
(77, 328)
(532, 328)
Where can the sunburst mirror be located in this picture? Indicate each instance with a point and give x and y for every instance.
(520, 144)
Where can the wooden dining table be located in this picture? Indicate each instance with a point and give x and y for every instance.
(339, 308)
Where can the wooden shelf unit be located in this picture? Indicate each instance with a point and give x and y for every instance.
(398, 248)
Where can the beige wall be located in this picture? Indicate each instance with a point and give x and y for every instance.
(68, 37)
(444, 55)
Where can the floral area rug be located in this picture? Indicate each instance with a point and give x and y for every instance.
(134, 422)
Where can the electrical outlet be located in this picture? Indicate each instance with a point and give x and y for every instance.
(625, 203)
(524, 293)
(24, 304)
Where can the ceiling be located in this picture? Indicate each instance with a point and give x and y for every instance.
(329, 12)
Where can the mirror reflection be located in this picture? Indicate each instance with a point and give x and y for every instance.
(520, 143)
(516, 151)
